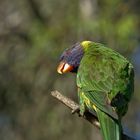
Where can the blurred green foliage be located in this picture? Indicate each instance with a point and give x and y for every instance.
(33, 33)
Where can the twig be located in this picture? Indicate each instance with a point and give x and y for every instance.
(92, 118)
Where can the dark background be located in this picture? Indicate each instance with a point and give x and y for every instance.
(33, 34)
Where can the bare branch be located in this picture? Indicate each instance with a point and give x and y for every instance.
(92, 118)
(72, 105)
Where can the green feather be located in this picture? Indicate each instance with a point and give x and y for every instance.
(105, 78)
(110, 128)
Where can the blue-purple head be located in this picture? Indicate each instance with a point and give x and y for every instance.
(70, 59)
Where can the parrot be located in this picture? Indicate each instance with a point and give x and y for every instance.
(105, 83)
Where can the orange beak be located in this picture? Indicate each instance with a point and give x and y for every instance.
(64, 67)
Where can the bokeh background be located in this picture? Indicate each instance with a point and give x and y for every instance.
(33, 33)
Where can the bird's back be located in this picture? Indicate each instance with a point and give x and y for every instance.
(107, 71)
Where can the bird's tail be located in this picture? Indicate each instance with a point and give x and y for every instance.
(111, 129)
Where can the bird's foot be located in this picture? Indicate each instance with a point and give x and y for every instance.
(80, 110)
(76, 110)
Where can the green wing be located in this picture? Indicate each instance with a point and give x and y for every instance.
(102, 76)
(105, 81)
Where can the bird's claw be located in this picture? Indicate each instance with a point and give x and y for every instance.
(76, 110)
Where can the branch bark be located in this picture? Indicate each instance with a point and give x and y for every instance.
(92, 118)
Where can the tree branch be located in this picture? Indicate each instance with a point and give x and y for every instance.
(92, 118)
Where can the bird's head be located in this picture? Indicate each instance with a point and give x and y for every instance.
(71, 57)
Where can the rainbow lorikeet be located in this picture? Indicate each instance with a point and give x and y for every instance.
(105, 81)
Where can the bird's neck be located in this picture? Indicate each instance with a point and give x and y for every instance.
(86, 45)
